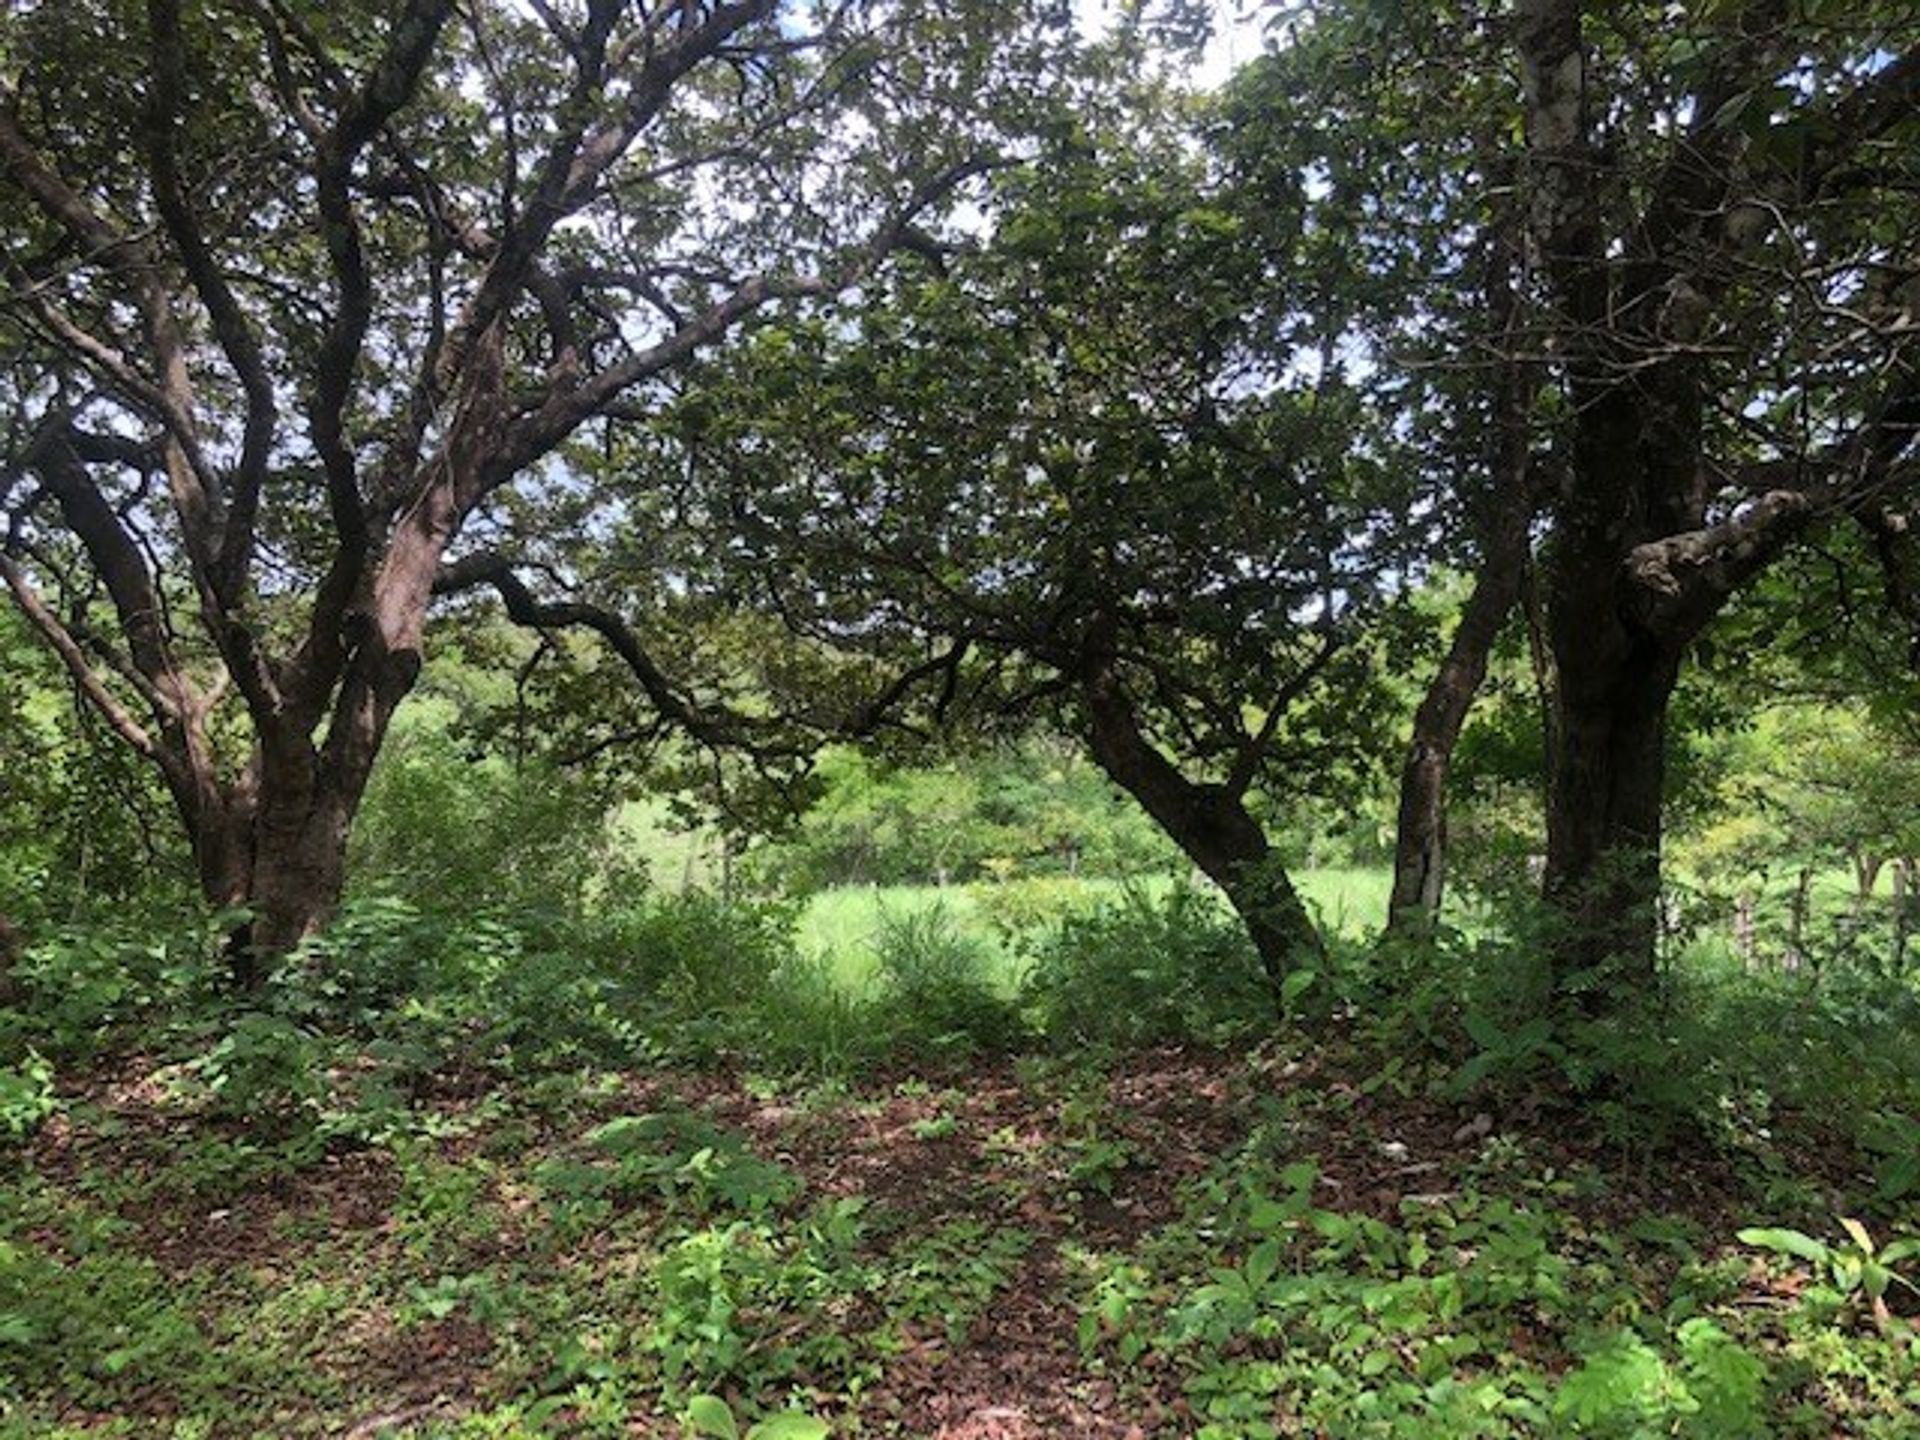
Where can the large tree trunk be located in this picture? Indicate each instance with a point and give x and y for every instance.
(272, 848)
(1211, 825)
(1615, 668)
(1605, 788)
(294, 872)
(273, 842)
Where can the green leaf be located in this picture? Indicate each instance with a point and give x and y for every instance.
(1899, 1177)
(1532, 1035)
(1787, 1242)
(789, 1425)
(1268, 1214)
(1848, 1271)
(1874, 1279)
(1899, 1250)
(1263, 1263)
(1483, 1032)
(710, 1415)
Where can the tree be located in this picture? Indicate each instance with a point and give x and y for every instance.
(1414, 273)
(305, 294)
(1722, 209)
(1072, 474)
(1699, 348)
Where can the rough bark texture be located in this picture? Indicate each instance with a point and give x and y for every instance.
(11, 943)
(1605, 790)
(1647, 546)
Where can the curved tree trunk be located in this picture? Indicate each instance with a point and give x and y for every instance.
(1420, 837)
(1211, 825)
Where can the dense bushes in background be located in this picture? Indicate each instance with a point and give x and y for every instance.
(84, 825)
(1032, 809)
(444, 826)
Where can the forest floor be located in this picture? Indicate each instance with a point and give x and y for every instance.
(1170, 1242)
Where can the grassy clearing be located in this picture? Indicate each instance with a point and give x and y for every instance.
(840, 927)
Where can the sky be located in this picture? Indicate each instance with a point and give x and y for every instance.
(1237, 26)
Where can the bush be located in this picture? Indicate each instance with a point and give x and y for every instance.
(81, 990)
(940, 986)
(439, 828)
(807, 1021)
(1145, 970)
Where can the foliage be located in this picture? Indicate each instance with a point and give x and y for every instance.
(1144, 970)
(443, 829)
(924, 445)
(1029, 810)
(1858, 1265)
(711, 1416)
(26, 1096)
(939, 986)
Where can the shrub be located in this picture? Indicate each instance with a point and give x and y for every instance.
(1145, 970)
(940, 986)
(81, 989)
(439, 828)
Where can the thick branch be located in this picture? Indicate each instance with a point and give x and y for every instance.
(713, 727)
(568, 406)
(74, 658)
(230, 325)
(388, 87)
(1683, 579)
(195, 488)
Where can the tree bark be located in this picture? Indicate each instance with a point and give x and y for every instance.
(1211, 825)
(11, 944)
(1903, 899)
(1866, 876)
(1605, 787)
(294, 875)
(1420, 837)
(1797, 918)
(1634, 450)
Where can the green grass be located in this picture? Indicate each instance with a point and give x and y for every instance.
(839, 926)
